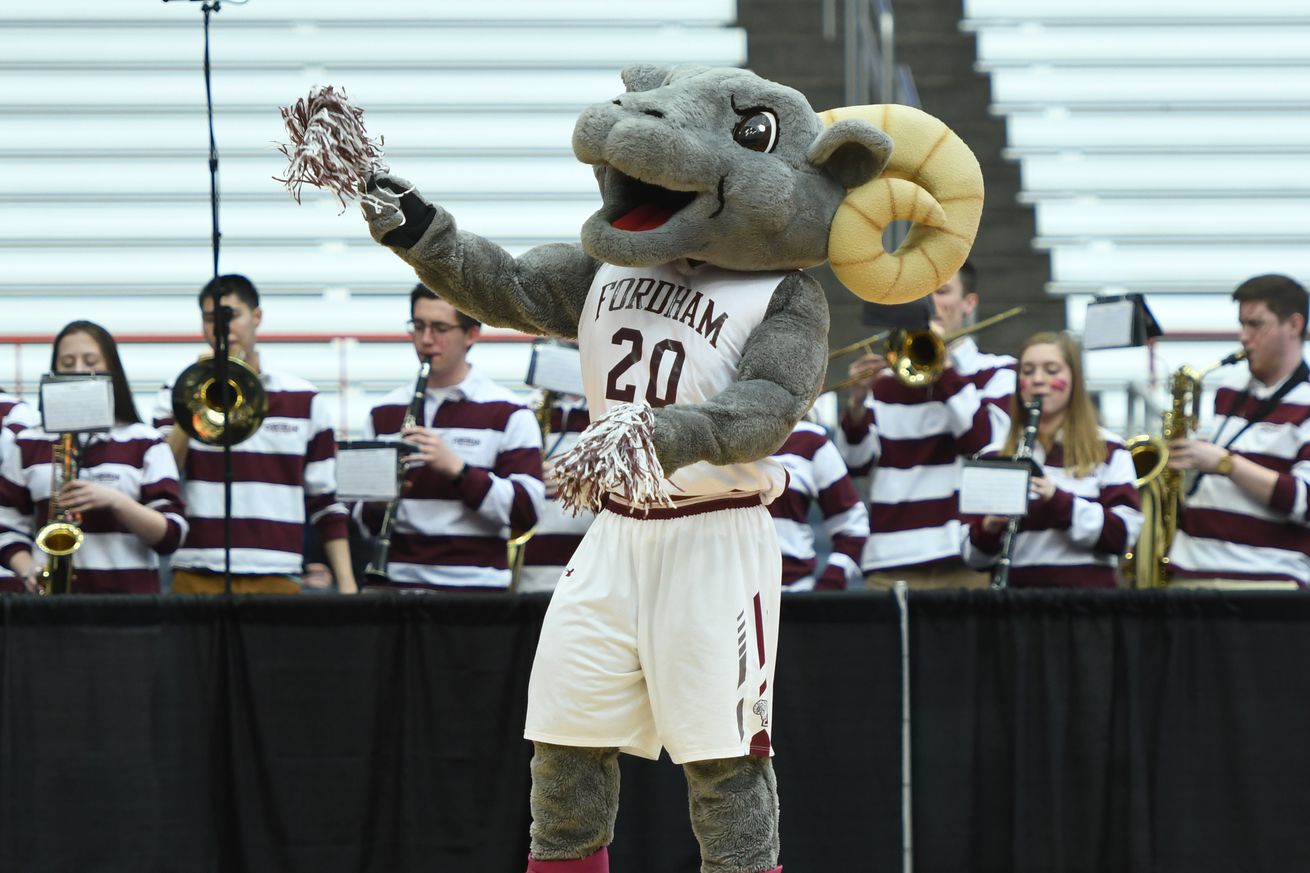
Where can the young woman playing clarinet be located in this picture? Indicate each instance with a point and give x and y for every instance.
(1083, 510)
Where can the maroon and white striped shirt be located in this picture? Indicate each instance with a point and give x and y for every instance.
(817, 474)
(1224, 533)
(132, 458)
(15, 416)
(559, 531)
(910, 443)
(1075, 539)
(454, 536)
(282, 475)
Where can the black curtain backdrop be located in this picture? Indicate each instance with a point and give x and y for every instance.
(1085, 731)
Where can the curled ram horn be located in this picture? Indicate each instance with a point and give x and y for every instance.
(933, 180)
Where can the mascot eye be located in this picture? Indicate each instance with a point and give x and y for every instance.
(758, 131)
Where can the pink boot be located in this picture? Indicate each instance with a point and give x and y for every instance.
(596, 862)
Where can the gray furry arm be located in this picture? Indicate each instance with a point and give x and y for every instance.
(780, 374)
(542, 292)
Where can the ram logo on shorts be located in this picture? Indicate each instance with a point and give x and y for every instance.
(761, 708)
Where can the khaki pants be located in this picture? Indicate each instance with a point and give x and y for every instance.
(205, 582)
(938, 574)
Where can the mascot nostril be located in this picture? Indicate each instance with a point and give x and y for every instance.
(702, 344)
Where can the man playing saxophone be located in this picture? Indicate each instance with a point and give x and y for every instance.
(1245, 519)
(476, 474)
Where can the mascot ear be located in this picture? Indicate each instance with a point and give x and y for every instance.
(644, 77)
(851, 151)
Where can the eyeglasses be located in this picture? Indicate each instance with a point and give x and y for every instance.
(418, 327)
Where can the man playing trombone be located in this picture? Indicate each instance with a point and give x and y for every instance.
(1245, 520)
(909, 440)
(475, 476)
(284, 469)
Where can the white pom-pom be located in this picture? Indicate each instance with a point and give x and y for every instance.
(614, 455)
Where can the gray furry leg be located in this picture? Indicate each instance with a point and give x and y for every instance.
(734, 813)
(575, 799)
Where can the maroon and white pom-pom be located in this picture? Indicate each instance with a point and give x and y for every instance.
(329, 147)
(614, 455)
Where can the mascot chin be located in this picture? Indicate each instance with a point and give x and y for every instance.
(702, 344)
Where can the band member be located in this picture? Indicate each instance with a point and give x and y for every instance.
(1083, 511)
(15, 417)
(124, 497)
(1245, 523)
(816, 474)
(478, 470)
(910, 442)
(558, 530)
(284, 473)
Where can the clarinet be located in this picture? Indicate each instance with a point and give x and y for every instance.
(1001, 575)
(376, 571)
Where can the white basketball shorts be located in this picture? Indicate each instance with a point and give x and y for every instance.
(662, 633)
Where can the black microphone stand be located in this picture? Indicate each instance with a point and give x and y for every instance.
(222, 314)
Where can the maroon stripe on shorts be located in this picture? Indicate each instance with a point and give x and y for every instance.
(661, 513)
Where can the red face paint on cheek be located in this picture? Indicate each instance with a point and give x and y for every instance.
(1058, 384)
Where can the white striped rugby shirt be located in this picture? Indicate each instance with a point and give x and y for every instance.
(559, 531)
(15, 416)
(1075, 539)
(282, 476)
(132, 458)
(910, 443)
(1224, 532)
(816, 473)
(454, 536)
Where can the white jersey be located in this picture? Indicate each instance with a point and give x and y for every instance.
(674, 333)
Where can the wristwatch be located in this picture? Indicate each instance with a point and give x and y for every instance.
(1225, 465)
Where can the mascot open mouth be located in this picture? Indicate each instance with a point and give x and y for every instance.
(638, 205)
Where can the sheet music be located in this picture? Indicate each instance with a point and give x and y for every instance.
(366, 473)
(994, 488)
(556, 368)
(77, 404)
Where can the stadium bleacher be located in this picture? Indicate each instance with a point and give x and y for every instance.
(104, 186)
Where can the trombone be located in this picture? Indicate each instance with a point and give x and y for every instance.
(916, 357)
(198, 401)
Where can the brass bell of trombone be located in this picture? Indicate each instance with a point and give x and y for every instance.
(198, 402)
(916, 357)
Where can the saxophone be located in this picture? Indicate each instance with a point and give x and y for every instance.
(62, 534)
(516, 545)
(1147, 565)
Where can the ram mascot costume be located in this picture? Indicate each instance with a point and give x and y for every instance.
(702, 341)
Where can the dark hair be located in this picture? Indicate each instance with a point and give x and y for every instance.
(232, 283)
(124, 407)
(466, 322)
(968, 274)
(1283, 295)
